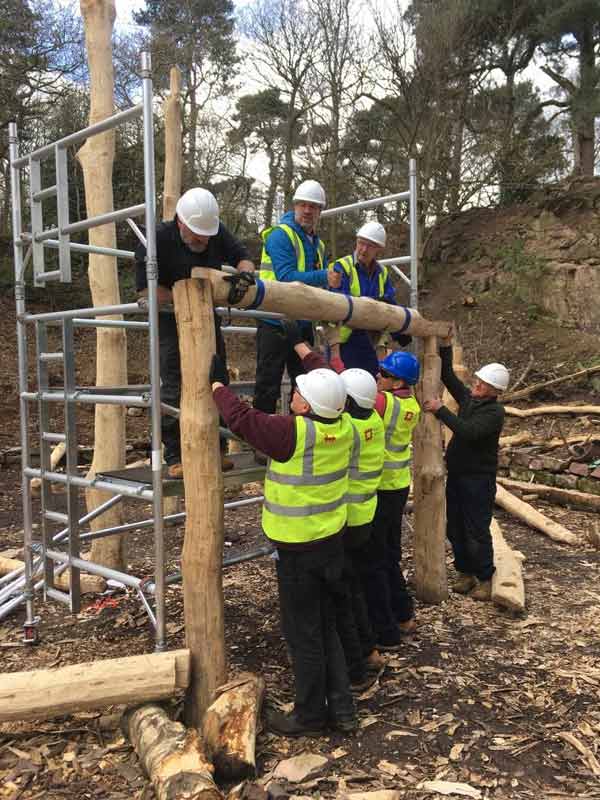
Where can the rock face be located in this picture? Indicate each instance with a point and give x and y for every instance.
(547, 252)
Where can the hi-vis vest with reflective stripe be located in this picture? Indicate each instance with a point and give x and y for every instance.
(400, 417)
(266, 272)
(305, 497)
(349, 267)
(366, 465)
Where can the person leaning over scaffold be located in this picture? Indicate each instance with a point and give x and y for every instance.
(363, 276)
(292, 251)
(194, 238)
(304, 514)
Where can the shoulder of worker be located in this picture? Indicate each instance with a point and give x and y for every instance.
(167, 231)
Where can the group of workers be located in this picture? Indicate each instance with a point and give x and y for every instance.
(338, 465)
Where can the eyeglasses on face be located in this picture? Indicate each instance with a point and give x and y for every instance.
(385, 374)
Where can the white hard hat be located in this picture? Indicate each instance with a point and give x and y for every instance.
(373, 231)
(324, 391)
(310, 192)
(360, 386)
(496, 375)
(199, 211)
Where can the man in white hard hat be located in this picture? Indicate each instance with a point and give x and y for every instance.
(304, 515)
(194, 238)
(472, 461)
(292, 251)
(363, 276)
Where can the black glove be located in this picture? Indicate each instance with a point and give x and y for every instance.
(403, 339)
(239, 285)
(218, 371)
(292, 331)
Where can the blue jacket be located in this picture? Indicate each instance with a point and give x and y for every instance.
(282, 254)
(369, 284)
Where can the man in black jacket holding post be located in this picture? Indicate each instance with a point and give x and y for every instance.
(472, 461)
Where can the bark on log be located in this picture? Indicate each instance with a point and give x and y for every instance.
(203, 480)
(508, 588)
(462, 373)
(173, 142)
(173, 757)
(230, 726)
(47, 693)
(564, 497)
(536, 387)
(56, 456)
(96, 158)
(90, 584)
(298, 301)
(428, 487)
(540, 410)
(527, 437)
(532, 517)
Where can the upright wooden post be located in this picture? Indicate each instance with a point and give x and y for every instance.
(203, 546)
(462, 373)
(173, 145)
(429, 489)
(96, 158)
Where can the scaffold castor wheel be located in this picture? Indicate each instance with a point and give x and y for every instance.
(30, 632)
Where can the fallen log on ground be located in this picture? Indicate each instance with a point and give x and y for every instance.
(230, 726)
(90, 584)
(532, 517)
(527, 437)
(172, 755)
(508, 588)
(536, 387)
(47, 693)
(541, 410)
(299, 301)
(56, 456)
(564, 497)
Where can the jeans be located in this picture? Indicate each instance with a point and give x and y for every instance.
(469, 509)
(170, 380)
(273, 354)
(307, 581)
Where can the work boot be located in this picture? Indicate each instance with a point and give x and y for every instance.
(482, 591)
(347, 724)
(290, 725)
(375, 661)
(175, 471)
(226, 463)
(464, 583)
(358, 683)
(391, 643)
(408, 626)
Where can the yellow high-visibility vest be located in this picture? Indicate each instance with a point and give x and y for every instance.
(399, 420)
(366, 465)
(266, 272)
(305, 497)
(349, 267)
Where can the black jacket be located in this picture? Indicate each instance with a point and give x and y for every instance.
(175, 259)
(474, 445)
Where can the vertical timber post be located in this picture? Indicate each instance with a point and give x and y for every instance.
(429, 489)
(203, 546)
(462, 373)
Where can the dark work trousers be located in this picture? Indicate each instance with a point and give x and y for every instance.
(352, 614)
(307, 582)
(387, 593)
(170, 381)
(273, 354)
(469, 509)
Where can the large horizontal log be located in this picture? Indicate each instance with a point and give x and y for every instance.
(527, 437)
(532, 517)
(564, 497)
(539, 411)
(536, 387)
(508, 589)
(173, 757)
(47, 693)
(299, 301)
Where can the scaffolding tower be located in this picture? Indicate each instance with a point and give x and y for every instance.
(63, 532)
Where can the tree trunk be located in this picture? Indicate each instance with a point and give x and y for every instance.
(203, 545)
(96, 158)
(584, 103)
(230, 727)
(429, 490)
(173, 757)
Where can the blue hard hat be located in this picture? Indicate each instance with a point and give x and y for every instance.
(402, 365)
